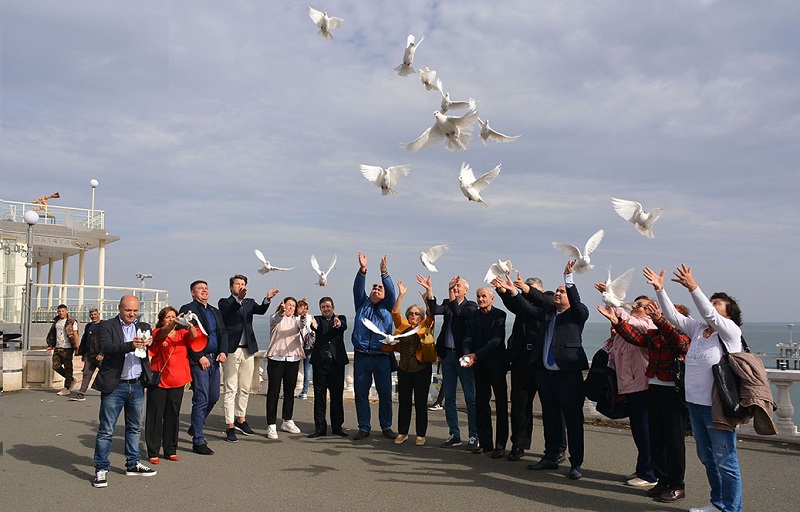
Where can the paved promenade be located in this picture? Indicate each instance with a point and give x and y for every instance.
(48, 441)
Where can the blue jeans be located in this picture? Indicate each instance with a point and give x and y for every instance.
(131, 397)
(205, 393)
(451, 372)
(306, 373)
(365, 368)
(716, 449)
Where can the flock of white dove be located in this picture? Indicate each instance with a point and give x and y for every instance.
(456, 132)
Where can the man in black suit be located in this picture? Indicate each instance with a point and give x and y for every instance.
(558, 359)
(204, 364)
(328, 359)
(237, 313)
(120, 386)
(485, 353)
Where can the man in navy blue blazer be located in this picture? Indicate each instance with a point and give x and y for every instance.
(237, 313)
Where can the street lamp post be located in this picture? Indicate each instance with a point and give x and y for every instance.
(93, 182)
(30, 218)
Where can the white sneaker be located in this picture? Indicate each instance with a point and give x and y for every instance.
(272, 432)
(63, 392)
(640, 482)
(708, 508)
(289, 426)
(100, 479)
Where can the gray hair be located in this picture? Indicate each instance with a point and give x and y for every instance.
(489, 289)
(466, 283)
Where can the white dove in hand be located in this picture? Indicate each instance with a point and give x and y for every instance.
(387, 178)
(388, 339)
(192, 319)
(501, 268)
(634, 212)
(471, 187)
(616, 289)
(455, 130)
(582, 260)
(431, 255)
(324, 22)
(267, 267)
(323, 276)
(428, 78)
(144, 335)
(406, 67)
(488, 133)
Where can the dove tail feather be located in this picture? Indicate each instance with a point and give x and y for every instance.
(388, 191)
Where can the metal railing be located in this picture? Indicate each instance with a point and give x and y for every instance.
(74, 218)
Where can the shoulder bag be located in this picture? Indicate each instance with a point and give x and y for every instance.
(728, 383)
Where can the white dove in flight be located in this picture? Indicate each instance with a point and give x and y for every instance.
(582, 260)
(455, 130)
(448, 104)
(267, 267)
(488, 133)
(323, 276)
(406, 67)
(324, 22)
(498, 269)
(428, 78)
(634, 212)
(472, 187)
(616, 289)
(431, 255)
(387, 178)
(388, 339)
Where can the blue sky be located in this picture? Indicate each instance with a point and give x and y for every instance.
(216, 128)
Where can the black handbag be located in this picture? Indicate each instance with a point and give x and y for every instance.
(151, 378)
(728, 383)
(601, 386)
(680, 377)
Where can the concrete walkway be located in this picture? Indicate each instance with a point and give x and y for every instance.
(48, 441)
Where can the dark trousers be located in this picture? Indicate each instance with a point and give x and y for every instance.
(523, 391)
(640, 430)
(62, 364)
(328, 378)
(417, 384)
(162, 419)
(667, 431)
(487, 383)
(561, 392)
(205, 393)
(281, 372)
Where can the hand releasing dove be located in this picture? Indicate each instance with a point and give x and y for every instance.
(488, 133)
(144, 335)
(406, 67)
(616, 289)
(457, 130)
(582, 260)
(189, 319)
(387, 178)
(428, 77)
(388, 339)
(324, 22)
(472, 187)
(501, 268)
(267, 267)
(634, 212)
(323, 276)
(431, 255)
(448, 104)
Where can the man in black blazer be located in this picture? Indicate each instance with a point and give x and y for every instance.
(328, 359)
(204, 364)
(120, 387)
(559, 359)
(485, 352)
(237, 313)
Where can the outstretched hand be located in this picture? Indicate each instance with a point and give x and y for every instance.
(383, 264)
(609, 313)
(362, 262)
(684, 276)
(652, 311)
(657, 280)
(401, 287)
(504, 284)
(568, 268)
(600, 287)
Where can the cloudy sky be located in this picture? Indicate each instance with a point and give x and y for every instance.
(215, 128)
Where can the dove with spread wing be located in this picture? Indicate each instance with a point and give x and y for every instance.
(323, 276)
(448, 104)
(472, 187)
(634, 213)
(431, 255)
(501, 268)
(324, 22)
(388, 339)
(267, 267)
(428, 78)
(385, 179)
(488, 133)
(406, 67)
(455, 130)
(614, 294)
(583, 262)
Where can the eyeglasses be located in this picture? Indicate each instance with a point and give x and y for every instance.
(640, 305)
(377, 287)
(414, 313)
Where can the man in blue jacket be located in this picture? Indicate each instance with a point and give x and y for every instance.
(369, 361)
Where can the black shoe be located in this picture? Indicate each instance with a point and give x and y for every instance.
(672, 495)
(190, 431)
(659, 489)
(498, 453)
(575, 473)
(243, 427)
(361, 434)
(515, 454)
(543, 464)
(477, 451)
(230, 435)
(316, 433)
(202, 449)
(561, 457)
(389, 433)
(340, 433)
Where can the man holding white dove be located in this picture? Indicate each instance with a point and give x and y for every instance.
(120, 386)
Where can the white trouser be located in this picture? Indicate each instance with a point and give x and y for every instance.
(238, 373)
